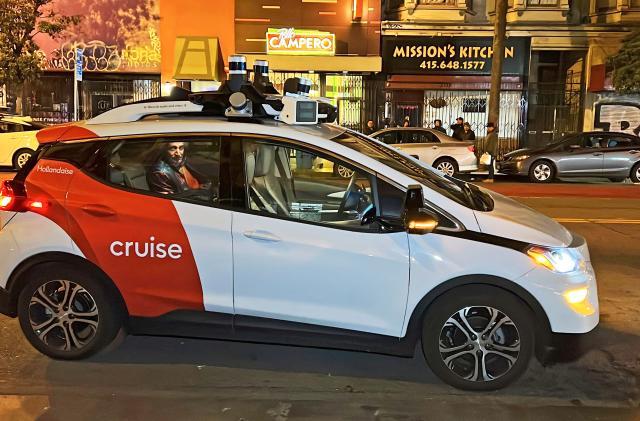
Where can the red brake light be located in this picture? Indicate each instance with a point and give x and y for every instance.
(471, 148)
(13, 198)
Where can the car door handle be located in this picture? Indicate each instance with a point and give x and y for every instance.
(262, 236)
(98, 210)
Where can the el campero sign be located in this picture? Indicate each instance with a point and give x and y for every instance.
(290, 41)
(449, 55)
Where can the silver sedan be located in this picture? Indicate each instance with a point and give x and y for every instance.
(443, 152)
(593, 154)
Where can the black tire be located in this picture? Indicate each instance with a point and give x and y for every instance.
(544, 166)
(635, 173)
(447, 163)
(21, 157)
(474, 298)
(84, 339)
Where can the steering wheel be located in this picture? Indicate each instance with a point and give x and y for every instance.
(345, 204)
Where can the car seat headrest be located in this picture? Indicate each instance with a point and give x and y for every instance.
(265, 158)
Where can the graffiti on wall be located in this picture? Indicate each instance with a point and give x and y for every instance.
(116, 36)
(618, 116)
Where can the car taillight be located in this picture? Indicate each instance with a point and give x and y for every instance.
(471, 148)
(13, 198)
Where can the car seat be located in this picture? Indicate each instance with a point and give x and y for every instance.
(269, 179)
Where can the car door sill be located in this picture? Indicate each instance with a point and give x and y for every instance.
(209, 325)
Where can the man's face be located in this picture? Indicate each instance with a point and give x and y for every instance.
(370, 124)
(458, 121)
(175, 153)
(438, 123)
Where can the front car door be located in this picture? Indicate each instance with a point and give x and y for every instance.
(301, 253)
(148, 216)
(581, 155)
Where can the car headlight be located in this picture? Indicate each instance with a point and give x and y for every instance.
(520, 157)
(561, 260)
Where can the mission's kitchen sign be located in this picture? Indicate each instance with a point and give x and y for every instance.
(452, 55)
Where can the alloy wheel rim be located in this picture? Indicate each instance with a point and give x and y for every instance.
(479, 344)
(446, 167)
(63, 315)
(638, 174)
(23, 158)
(542, 172)
(345, 172)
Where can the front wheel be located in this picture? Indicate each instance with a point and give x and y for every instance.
(542, 171)
(68, 313)
(478, 338)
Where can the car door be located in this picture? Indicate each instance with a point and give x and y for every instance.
(419, 144)
(621, 154)
(301, 253)
(151, 221)
(582, 155)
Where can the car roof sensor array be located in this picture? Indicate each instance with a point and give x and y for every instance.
(238, 99)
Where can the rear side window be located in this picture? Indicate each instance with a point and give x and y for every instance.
(78, 154)
(178, 168)
(390, 138)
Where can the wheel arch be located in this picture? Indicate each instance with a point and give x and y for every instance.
(446, 157)
(543, 326)
(18, 276)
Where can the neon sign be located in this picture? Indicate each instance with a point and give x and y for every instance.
(290, 41)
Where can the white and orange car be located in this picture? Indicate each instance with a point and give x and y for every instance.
(172, 217)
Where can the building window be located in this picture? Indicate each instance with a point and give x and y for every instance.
(474, 105)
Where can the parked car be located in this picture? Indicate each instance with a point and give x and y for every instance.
(17, 140)
(437, 149)
(615, 156)
(168, 220)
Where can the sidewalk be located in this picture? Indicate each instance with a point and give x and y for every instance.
(609, 191)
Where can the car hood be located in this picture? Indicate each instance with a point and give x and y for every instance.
(511, 219)
(524, 151)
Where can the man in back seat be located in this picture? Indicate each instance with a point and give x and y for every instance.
(171, 174)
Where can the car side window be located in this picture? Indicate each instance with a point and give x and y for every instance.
(619, 142)
(390, 199)
(293, 182)
(178, 168)
(595, 141)
(390, 137)
(428, 137)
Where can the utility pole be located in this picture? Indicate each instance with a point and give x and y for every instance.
(500, 29)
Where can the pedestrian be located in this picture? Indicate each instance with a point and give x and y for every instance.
(370, 128)
(406, 122)
(387, 122)
(437, 125)
(457, 128)
(467, 134)
(491, 147)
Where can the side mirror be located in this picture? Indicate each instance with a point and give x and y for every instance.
(416, 218)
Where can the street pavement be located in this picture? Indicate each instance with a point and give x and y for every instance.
(179, 378)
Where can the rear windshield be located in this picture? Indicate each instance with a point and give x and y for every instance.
(457, 190)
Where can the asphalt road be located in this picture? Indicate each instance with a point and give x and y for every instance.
(177, 378)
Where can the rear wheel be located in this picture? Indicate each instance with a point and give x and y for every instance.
(635, 173)
(68, 313)
(542, 171)
(343, 172)
(478, 337)
(446, 165)
(21, 157)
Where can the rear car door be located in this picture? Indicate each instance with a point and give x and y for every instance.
(621, 154)
(301, 253)
(151, 221)
(582, 155)
(420, 144)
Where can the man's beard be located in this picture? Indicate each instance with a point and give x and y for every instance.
(177, 163)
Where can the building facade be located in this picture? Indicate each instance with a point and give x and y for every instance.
(437, 62)
(334, 43)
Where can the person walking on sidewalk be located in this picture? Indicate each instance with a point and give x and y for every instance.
(491, 147)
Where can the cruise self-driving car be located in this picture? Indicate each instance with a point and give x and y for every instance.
(201, 217)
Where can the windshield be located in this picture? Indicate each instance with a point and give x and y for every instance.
(457, 190)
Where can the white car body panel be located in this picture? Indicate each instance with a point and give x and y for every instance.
(319, 275)
(209, 233)
(10, 143)
(18, 241)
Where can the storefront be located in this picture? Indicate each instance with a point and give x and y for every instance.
(339, 52)
(445, 77)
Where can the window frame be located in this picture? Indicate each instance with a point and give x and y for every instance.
(325, 154)
(104, 150)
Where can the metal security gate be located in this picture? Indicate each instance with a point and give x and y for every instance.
(98, 96)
